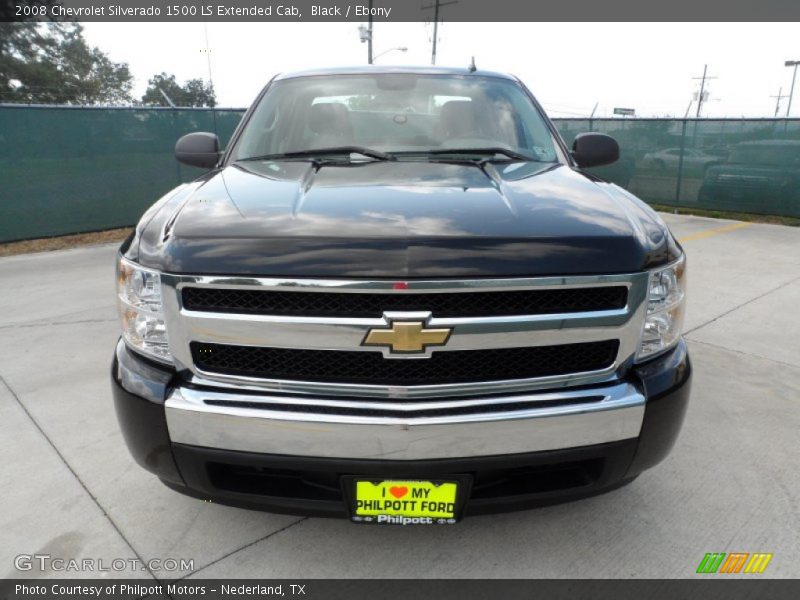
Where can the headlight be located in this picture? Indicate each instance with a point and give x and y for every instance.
(140, 310)
(665, 308)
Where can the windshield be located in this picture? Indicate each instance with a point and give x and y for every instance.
(396, 114)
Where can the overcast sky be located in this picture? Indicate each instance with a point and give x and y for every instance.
(568, 66)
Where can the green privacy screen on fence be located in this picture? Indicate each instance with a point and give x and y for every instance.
(71, 169)
(744, 165)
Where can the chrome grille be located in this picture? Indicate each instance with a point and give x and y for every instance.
(370, 367)
(533, 318)
(443, 304)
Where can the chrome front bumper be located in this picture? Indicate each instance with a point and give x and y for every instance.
(275, 424)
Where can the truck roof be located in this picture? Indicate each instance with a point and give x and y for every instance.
(373, 69)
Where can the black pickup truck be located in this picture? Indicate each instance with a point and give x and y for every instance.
(398, 297)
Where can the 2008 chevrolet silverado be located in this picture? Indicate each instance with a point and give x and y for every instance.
(397, 296)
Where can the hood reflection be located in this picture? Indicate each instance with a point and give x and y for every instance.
(408, 219)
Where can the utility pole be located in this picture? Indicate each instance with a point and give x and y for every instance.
(437, 4)
(210, 78)
(778, 99)
(369, 40)
(700, 97)
(365, 34)
(167, 98)
(791, 63)
(591, 116)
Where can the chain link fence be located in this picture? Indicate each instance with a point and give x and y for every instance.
(738, 165)
(72, 170)
(77, 169)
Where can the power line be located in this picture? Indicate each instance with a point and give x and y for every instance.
(566, 112)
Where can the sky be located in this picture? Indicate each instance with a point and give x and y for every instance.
(570, 67)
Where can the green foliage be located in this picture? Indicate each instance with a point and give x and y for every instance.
(51, 63)
(194, 92)
(362, 102)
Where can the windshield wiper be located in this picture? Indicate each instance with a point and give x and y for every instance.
(486, 154)
(321, 152)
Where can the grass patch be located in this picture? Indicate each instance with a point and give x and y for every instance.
(724, 214)
(65, 241)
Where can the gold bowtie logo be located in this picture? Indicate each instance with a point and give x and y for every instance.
(407, 337)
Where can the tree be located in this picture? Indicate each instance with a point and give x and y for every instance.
(194, 92)
(365, 102)
(51, 63)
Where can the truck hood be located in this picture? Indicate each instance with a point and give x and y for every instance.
(402, 220)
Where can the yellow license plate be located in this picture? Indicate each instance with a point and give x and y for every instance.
(405, 502)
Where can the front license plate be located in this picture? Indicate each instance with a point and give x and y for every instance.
(405, 502)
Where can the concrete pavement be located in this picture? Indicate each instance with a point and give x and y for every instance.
(731, 483)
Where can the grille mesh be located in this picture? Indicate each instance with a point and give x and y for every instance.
(441, 304)
(372, 368)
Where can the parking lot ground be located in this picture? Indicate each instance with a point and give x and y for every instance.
(731, 483)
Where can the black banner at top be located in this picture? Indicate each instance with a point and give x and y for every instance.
(399, 10)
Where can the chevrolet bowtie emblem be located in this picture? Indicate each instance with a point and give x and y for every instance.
(407, 337)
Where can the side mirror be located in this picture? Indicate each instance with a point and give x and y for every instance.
(594, 149)
(198, 149)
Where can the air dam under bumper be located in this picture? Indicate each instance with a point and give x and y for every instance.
(534, 449)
